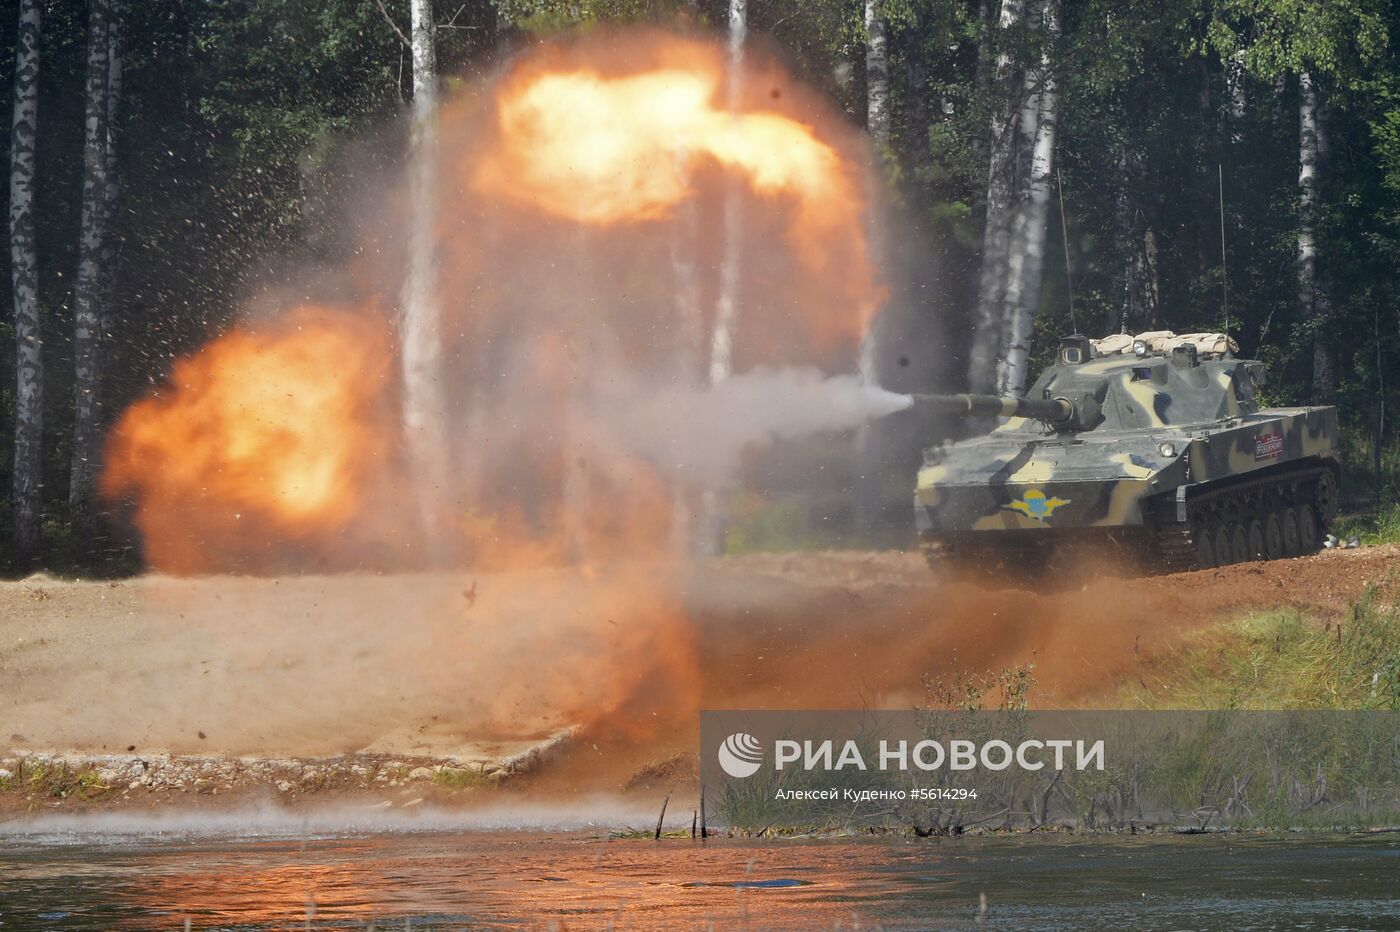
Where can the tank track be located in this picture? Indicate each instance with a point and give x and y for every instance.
(1280, 515)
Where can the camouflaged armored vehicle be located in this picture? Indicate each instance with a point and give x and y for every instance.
(1154, 443)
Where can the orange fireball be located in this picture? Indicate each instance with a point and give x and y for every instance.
(578, 138)
(265, 435)
(606, 150)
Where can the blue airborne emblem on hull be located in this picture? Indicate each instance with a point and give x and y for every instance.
(1035, 504)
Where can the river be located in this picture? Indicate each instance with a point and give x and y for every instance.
(78, 878)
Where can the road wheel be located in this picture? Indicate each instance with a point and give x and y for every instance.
(1239, 543)
(1224, 547)
(1308, 532)
(1256, 540)
(1273, 536)
(1205, 549)
(1292, 545)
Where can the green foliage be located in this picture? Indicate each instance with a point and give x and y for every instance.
(57, 781)
(757, 524)
(1343, 39)
(1372, 528)
(244, 126)
(550, 16)
(460, 778)
(1006, 690)
(1386, 129)
(1360, 479)
(1283, 660)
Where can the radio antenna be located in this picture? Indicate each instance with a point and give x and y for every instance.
(1224, 275)
(1064, 238)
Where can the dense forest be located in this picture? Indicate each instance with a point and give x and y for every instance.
(1048, 166)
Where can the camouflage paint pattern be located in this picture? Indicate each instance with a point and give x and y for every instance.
(1148, 426)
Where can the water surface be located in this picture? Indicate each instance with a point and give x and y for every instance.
(581, 879)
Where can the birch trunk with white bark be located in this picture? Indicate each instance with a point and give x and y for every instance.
(1023, 295)
(419, 328)
(877, 121)
(1234, 84)
(88, 291)
(713, 518)
(116, 49)
(24, 276)
(727, 304)
(1314, 305)
(997, 232)
(1019, 211)
(877, 77)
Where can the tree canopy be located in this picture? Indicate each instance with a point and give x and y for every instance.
(244, 125)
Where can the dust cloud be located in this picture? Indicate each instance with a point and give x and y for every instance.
(555, 585)
(576, 191)
(487, 664)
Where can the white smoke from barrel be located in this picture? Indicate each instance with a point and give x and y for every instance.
(700, 434)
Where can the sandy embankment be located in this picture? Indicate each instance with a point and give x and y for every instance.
(431, 684)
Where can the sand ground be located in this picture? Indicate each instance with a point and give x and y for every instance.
(467, 670)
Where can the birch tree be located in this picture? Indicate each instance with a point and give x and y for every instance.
(24, 275)
(726, 317)
(685, 273)
(1010, 288)
(89, 289)
(420, 350)
(997, 231)
(727, 304)
(878, 124)
(116, 47)
(877, 77)
(877, 121)
(1024, 279)
(1235, 88)
(1018, 197)
(1348, 44)
(1314, 305)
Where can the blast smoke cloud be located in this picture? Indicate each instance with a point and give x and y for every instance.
(569, 375)
(578, 428)
(699, 434)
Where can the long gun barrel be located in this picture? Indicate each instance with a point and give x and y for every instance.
(1051, 410)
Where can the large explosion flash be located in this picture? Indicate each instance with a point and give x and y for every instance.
(581, 141)
(276, 434)
(572, 196)
(277, 446)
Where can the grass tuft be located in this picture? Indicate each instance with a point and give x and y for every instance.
(1381, 526)
(59, 782)
(1283, 660)
(460, 778)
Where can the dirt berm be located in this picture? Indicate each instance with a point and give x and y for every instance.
(454, 675)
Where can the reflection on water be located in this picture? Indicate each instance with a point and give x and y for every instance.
(575, 880)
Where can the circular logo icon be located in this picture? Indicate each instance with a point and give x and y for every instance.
(740, 755)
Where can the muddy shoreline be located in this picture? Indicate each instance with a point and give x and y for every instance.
(41, 781)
